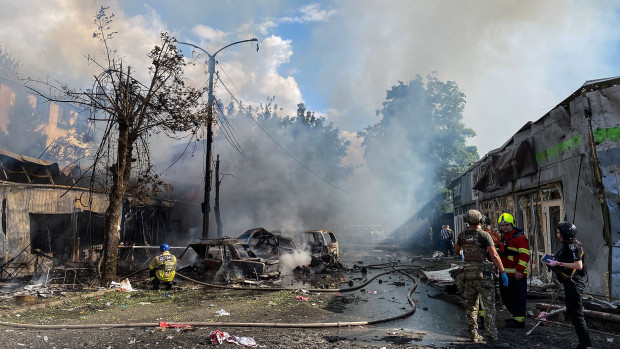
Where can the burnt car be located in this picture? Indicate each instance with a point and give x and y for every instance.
(323, 246)
(266, 244)
(229, 259)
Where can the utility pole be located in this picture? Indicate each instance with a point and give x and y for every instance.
(206, 205)
(218, 219)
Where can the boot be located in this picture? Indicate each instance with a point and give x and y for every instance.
(481, 322)
(475, 337)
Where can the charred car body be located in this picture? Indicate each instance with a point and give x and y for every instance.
(268, 245)
(323, 247)
(229, 259)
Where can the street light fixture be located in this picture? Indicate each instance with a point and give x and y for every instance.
(206, 205)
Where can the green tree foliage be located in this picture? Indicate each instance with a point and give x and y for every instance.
(271, 186)
(421, 138)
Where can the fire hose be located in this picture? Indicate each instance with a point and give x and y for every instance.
(250, 324)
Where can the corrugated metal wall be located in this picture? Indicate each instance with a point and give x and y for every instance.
(21, 200)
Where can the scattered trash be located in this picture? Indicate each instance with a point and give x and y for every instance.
(123, 286)
(144, 303)
(132, 341)
(530, 313)
(338, 294)
(542, 318)
(45, 339)
(610, 340)
(373, 292)
(222, 312)
(302, 298)
(271, 304)
(437, 255)
(169, 337)
(219, 337)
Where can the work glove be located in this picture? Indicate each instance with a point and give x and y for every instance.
(553, 263)
(504, 279)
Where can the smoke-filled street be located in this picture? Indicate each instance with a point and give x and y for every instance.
(309, 173)
(132, 319)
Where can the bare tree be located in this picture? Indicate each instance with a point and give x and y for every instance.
(132, 111)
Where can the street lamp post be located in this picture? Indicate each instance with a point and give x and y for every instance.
(206, 205)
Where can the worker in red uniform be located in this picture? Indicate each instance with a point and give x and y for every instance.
(514, 251)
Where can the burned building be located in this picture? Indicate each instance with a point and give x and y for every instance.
(564, 166)
(31, 125)
(47, 215)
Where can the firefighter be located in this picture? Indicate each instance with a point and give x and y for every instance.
(478, 248)
(514, 250)
(568, 265)
(163, 268)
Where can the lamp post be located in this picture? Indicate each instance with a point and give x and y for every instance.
(206, 205)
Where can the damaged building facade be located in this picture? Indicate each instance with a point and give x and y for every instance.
(33, 126)
(564, 166)
(46, 217)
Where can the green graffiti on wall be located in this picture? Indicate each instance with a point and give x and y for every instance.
(601, 135)
(613, 134)
(559, 148)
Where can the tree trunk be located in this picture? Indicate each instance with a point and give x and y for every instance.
(120, 179)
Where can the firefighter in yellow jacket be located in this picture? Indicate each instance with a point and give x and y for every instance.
(163, 268)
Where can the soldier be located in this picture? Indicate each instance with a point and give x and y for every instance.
(477, 247)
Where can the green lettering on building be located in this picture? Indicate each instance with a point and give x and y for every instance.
(613, 134)
(601, 135)
(558, 149)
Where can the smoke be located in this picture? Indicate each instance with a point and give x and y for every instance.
(353, 63)
(290, 261)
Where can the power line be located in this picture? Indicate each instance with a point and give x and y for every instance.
(281, 147)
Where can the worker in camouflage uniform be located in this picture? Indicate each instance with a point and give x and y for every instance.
(477, 247)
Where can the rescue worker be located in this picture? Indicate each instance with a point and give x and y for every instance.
(514, 250)
(486, 226)
(477, 247)
(163, 268)
(568, 265)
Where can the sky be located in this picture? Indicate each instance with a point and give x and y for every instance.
(514, 60)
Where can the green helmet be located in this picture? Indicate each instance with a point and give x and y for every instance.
(506, 218)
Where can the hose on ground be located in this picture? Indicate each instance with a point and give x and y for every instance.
(249, 324)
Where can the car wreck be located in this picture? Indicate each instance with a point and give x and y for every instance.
(268, 245)
(229, 259)
(323, 247)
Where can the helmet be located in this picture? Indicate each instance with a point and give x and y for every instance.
(472, 216)
(567, 230)
(486, 220)
(506, 218)
(164, 247)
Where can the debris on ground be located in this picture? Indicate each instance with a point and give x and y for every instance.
(219, 337)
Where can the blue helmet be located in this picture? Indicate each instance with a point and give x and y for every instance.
(164, 247)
